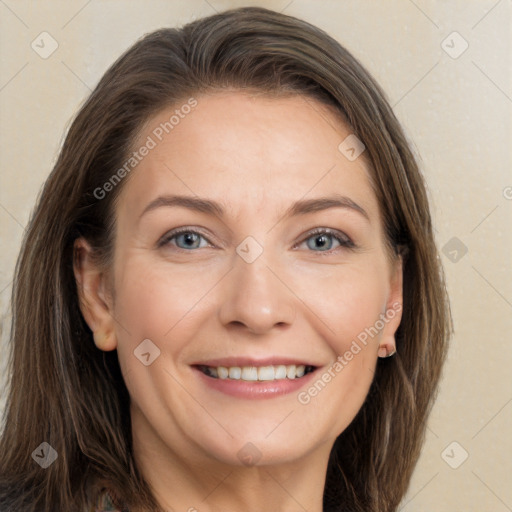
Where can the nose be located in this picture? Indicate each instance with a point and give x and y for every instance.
(256, 298)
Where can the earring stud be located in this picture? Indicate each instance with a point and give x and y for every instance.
(385, 352)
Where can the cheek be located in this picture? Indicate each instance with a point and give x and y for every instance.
(160, 303)
(153, 299)
(166, 304)
(346, 304)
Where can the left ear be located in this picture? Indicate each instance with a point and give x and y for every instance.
(394, 306)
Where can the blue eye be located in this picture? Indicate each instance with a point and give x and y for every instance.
(187, 237)
(323, 240)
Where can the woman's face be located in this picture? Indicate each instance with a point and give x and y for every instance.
(248, 283)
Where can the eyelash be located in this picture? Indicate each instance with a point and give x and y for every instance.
(344, 241)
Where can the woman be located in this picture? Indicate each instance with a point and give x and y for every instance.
(229, 294)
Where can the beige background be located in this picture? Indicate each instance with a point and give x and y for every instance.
(456, 110)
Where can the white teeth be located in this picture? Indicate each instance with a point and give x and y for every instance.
(280, 372)
(249, 373)
(235, 373)
(261, 373)
(266, 373)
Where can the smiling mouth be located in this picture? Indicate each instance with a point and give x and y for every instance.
(257, 373)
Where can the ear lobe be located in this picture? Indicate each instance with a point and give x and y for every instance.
(95, 306)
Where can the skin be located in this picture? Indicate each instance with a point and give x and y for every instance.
(256, 156)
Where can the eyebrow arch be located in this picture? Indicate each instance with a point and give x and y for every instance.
(300, 207)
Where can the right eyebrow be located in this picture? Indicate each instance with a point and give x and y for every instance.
(193, 203)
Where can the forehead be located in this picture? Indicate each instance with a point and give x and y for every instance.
(248, 152)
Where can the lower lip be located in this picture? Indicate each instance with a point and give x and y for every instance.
(256, 389)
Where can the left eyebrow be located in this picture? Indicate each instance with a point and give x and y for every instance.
(301, 207)
(305, 206)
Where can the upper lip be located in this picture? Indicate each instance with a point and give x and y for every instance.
(250, 361)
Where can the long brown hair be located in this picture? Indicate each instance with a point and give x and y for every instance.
(66, 392)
